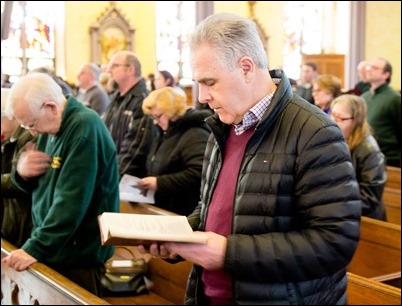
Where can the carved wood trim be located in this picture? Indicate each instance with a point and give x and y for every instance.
(110, 33)
(40, 285)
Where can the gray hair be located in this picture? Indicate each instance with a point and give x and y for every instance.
(35, 88)
(233, 37)
(93, 69)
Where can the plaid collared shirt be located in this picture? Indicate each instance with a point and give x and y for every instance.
(253, 115)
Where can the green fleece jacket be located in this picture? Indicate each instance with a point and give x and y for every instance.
(384, 116)
(81, 183)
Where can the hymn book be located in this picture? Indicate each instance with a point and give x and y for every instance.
(131, 191)
(136, 229)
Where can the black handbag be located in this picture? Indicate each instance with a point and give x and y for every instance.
(125, 276)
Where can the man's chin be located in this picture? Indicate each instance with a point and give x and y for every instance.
(225, 119)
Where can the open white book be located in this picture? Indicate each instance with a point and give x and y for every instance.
(135, 229)
(130, 191)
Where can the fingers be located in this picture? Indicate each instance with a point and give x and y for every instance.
(33, 163)
(30, 146)
(19, 260)
(142, 249)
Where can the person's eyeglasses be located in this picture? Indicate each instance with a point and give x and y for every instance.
(338, 118)
(113, 66)
(374, 67)
(31, 126)
(156, 117)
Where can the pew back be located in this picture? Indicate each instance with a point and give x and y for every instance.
(379, 249)
(40, 285)
(393, 177)
(392, 201)
(365, 291)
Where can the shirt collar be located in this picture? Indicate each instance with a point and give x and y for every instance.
(253, 115)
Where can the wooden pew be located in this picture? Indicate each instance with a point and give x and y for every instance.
(167, 285)
(365, 291)
(392, 201)
(40, 285)
(378, 252)
(140, 208)
(393, 177)
(168, 281)
(393, 279)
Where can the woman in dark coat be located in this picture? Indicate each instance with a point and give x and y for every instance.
(349, 112)
(175, 161)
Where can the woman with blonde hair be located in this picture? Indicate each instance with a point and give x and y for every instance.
(349, 112)
(175, 160)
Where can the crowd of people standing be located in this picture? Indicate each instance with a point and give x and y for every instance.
(252, 176)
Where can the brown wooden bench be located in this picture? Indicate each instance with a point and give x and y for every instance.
(393, 279)
(168, 281)
(378, 252)
(40, 285)
(393, 177)
(365, 291)
(392, 201)
(167, 285)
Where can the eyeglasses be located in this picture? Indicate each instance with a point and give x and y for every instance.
(31, 126)
(374, 67)
(338, 118)
(113, 66)
(157, 117)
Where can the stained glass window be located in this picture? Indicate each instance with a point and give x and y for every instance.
(303, 24)
(30, 43)
(175, 20)
(314, 28)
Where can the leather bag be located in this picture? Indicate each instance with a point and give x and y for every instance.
(125, 275)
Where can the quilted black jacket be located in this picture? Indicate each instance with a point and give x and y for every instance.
(296, 213)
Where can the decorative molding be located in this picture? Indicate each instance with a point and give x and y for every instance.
(110, 33)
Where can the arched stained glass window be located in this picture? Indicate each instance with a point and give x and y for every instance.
(30, 43)
(303, 24)
(314, 27)
(175, 21)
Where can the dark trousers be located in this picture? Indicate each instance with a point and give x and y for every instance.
(86, 277)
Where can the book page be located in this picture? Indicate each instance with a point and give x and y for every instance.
(130, 191)
(148, 227)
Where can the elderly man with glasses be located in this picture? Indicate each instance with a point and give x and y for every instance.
(72, 176)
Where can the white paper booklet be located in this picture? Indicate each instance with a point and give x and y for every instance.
(131, 192)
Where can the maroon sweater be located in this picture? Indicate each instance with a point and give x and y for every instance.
(218, 284)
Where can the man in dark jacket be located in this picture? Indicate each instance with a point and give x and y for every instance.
(131, 130)
(280, 204)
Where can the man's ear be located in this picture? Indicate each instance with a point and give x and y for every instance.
(247, 65)
(51, 105)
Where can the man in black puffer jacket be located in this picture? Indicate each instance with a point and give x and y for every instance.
(280, 203)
